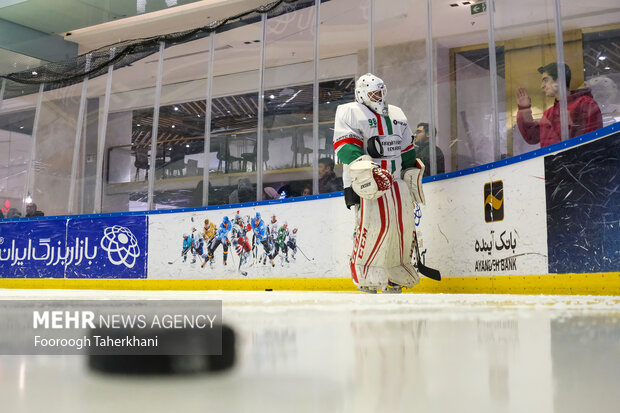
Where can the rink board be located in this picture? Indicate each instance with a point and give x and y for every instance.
(544, 222)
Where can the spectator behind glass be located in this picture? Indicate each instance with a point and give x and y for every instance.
(13, 213)
(584, 114)
(328, 181)
(422, 143)
(307, 190)
(244, 192)
(32, 211)
(270, 193)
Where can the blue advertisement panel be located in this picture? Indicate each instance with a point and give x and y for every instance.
(113, 247)
(33, 249)
(108, 247)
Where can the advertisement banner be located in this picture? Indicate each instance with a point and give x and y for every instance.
(488, 223)
(33, 249)
(118, 247)
(289, 240)
(114, 247)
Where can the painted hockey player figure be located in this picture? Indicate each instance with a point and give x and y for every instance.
(272, 235)
(208, 232)
(188, 243)
(292, 243)
(283, 234)
(240, 239)
(260, 234)
(221, 237)
(382, 178)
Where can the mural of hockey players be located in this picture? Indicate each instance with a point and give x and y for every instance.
(292, 243)
(221, 237)
(281, 242)
(382, 178)
(187, 246)
(272, 234)
(260, 232)
(208, 232)
(240, 239)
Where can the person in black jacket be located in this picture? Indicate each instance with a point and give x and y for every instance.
(422, 142)
(328, 181)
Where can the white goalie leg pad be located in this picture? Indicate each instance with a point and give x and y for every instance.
(413, 178)
(384, 238)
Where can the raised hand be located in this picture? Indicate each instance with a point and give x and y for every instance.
(523, 99)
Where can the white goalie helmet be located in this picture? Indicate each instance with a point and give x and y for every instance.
(371, 91)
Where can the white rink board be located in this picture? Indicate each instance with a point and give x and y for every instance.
(324, 234)
(459, 242)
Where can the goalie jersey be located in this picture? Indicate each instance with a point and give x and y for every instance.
(387, 139)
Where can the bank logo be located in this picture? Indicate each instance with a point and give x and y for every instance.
(494, 201)
(121, 246)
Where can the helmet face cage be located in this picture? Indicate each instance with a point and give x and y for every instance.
(371, 91)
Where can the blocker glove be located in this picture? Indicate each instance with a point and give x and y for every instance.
(369, 181)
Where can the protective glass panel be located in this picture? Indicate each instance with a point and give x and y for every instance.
(343, 54)
(50, 178)
(17, 112)
(463, 88)
(528, 43)
(400, 60)
(181, 127)
(592, 51)
(232, 158)
(128, 135)
(288, 105)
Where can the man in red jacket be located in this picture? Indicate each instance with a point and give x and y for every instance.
(584, 114)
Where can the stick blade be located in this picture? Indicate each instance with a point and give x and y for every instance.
(429, 272)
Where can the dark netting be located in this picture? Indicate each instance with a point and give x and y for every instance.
(96, 62)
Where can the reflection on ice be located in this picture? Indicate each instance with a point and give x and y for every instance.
(339, 352)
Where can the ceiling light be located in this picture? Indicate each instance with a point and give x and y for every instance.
(272, 97)
(602, 57)
(173, 126)
(607, 67)
(34, 73)
(198, 115)
(21, 127)
(187, 146)
(138, 124)
(176, 108)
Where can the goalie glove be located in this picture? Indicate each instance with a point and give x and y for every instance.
(369, 181)
(413, 178)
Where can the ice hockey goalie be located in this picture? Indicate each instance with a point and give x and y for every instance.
(382, 178)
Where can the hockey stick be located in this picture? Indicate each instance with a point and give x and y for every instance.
(423, 269)
(182, 254)
(302, 253)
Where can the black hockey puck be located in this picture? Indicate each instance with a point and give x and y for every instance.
(268, 289)
(168, 364)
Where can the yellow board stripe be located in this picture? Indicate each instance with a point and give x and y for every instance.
(563, 284)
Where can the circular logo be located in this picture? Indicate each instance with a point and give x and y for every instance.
(121, 246)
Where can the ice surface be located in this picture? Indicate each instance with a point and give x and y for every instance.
(350, 352)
